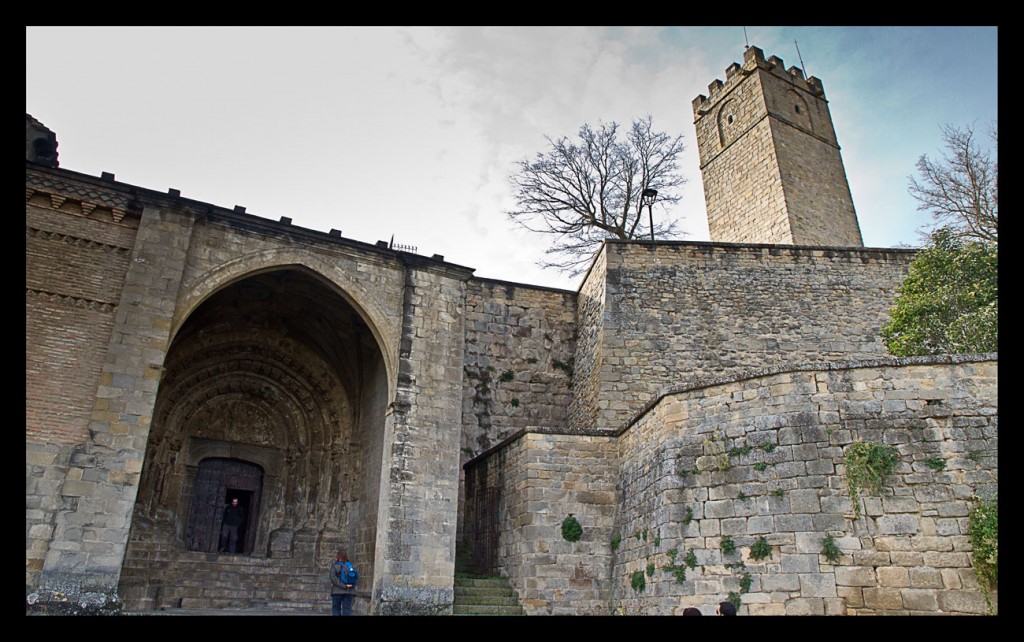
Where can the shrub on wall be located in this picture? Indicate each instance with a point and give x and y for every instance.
(867, 465)
(761, 549)
(571, 529)
(984, 532)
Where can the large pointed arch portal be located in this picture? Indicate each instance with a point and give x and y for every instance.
(275, 391)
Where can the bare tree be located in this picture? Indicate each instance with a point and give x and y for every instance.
(591, 189)
(961, 189)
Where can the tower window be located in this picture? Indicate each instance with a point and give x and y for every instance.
(797, 108)
(728, 119)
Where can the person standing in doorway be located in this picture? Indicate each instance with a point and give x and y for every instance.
(341, 592)
(234, 516)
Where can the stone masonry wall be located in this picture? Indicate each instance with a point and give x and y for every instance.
(90, 530)
(541, 479)
(517, 337)
(817, 193)
(418, 515)
(590, 327)
(77, 253)
(688, 311)
(764, 457)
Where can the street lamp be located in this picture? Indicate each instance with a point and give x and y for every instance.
(648, 196)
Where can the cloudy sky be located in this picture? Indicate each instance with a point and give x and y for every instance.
(413, 131)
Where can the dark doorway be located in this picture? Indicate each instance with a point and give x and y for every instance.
(218, 481)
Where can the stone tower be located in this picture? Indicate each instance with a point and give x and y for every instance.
(770, 160)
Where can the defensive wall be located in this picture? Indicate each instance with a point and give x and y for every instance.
(655, 314)
(750, 456)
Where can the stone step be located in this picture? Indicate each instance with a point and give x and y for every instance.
(475, 595)
(476, 609)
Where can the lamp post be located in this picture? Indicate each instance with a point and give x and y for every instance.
(648, 196)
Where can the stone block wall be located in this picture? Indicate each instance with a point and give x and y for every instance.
(763, 457)
(585, 403)
(541, 479)
(519, 340)
(816, 191)
(418, 515)
(687, 311)
(77, 253)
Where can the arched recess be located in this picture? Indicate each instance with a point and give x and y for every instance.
(378, 314)
(728, 121)
(796, 110)
(275, 369)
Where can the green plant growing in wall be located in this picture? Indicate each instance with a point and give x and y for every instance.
(638, 581)
(679, 572)
(739, 451)
(745, 582)
(688, 517)
(974, 455)
(616, 541)
(935, 463)
(508, 375)
(566, 367)
(571, 529)
(657, 541)
(691, 559)
(867, 465)
(741, 496)
(768, 448)
(637, 534)
(830, 550)
(736, 600)
(761, 549)
(650, 569)
(645, 534)
(715, 447)
(983, 530)
(778, 492)
(515, 402)
(760, 467)
(728, 546)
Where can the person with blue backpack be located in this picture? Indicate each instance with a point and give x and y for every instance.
(343, 584)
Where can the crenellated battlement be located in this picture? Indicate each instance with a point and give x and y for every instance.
(753, 58)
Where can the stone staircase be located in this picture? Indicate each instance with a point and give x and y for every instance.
(476, 595)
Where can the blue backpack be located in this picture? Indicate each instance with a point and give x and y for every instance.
(348, 573)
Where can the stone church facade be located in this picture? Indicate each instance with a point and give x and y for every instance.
(355, 396)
